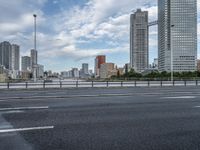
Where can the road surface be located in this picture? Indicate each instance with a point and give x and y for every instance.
(142, 118)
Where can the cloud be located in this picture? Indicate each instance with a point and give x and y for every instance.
(83, 31)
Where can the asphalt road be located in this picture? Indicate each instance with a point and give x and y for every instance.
(156, 118)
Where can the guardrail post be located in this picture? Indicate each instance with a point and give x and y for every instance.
(77, 84)
(26, 85)
(107, 83)
(44, 85)
(92, 83)
(135, 83)
(148, 83)
(185, 83)
(121, 83)
(173, 83)
(161, 83)
(60, 84)
(196, 82)
(8, 85)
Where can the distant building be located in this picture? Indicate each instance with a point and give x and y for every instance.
(139, 51)
(65, 74)
(177, 34)
(155, 63)
(26, 63)
(50, 73)
(5, 54)
(101, 59)
(127, 68)
(75, 72)
(106, 70)
(84, 71)
(121, 71)
(40, 71)
(85, 68)
(15, 57)
(198, 65)
(91, 72)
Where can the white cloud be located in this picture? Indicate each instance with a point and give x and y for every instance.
(63, 34)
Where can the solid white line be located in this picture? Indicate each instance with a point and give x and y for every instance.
(180, 97)
(25, 129)
(24, 108)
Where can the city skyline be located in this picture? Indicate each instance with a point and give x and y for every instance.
(71, 32)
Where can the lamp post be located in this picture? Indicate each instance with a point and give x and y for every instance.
(172, 57)
(34, 65)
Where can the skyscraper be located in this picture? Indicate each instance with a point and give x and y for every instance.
(139, 57)
(5, 54)
(15, 56)
(26, 63)
(177, 35)
(101, 59)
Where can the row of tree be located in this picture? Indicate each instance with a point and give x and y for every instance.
(158, 75)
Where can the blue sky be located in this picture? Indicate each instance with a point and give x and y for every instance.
(71, 32)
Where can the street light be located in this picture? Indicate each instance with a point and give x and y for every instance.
(171, 48)
(34, 65)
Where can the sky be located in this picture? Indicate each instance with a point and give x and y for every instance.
(72, 32)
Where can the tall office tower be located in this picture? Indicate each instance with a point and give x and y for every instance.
(177, 35)
(101, 59)
(33, 58)
(5, 54)
(15, 54)
(85, 69)
(26, 63)
(139, 50)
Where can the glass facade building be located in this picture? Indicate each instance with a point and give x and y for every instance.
(177, 34)
(139, 58)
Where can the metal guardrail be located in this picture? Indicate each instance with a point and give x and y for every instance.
(92, 84)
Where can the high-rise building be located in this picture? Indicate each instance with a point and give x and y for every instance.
(15, 56)
(5, 54)
(26, 63)
(101, 59)
(139, 57)
(33, 58)
(177, 35)
(85, 69)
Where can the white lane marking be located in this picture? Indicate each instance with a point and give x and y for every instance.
(12, 111)
(25, 129)
(196, 106)
(180, 97)
(24, 108)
